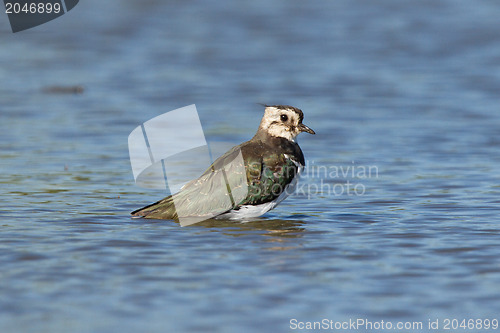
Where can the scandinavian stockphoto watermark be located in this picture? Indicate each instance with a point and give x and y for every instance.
(347, 179)
(369, 325)
(26, 14)
(171, 150)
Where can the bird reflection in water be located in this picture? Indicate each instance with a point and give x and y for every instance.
(276, 231)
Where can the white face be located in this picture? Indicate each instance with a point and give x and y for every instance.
(281, 122)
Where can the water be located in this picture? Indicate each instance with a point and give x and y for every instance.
(408, 88)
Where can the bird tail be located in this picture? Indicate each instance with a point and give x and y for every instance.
(163, 209)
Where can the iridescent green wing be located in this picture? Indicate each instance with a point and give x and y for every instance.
(268, 178)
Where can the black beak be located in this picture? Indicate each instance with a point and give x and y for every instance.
(304, 128)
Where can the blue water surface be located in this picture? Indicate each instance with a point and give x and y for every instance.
(406, 89)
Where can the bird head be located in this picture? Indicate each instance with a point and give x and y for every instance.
(283, 121)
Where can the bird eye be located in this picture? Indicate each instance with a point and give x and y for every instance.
(284, 117)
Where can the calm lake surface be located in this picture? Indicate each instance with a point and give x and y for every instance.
(409, 90)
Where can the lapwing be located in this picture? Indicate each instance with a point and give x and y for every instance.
(272, 162)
